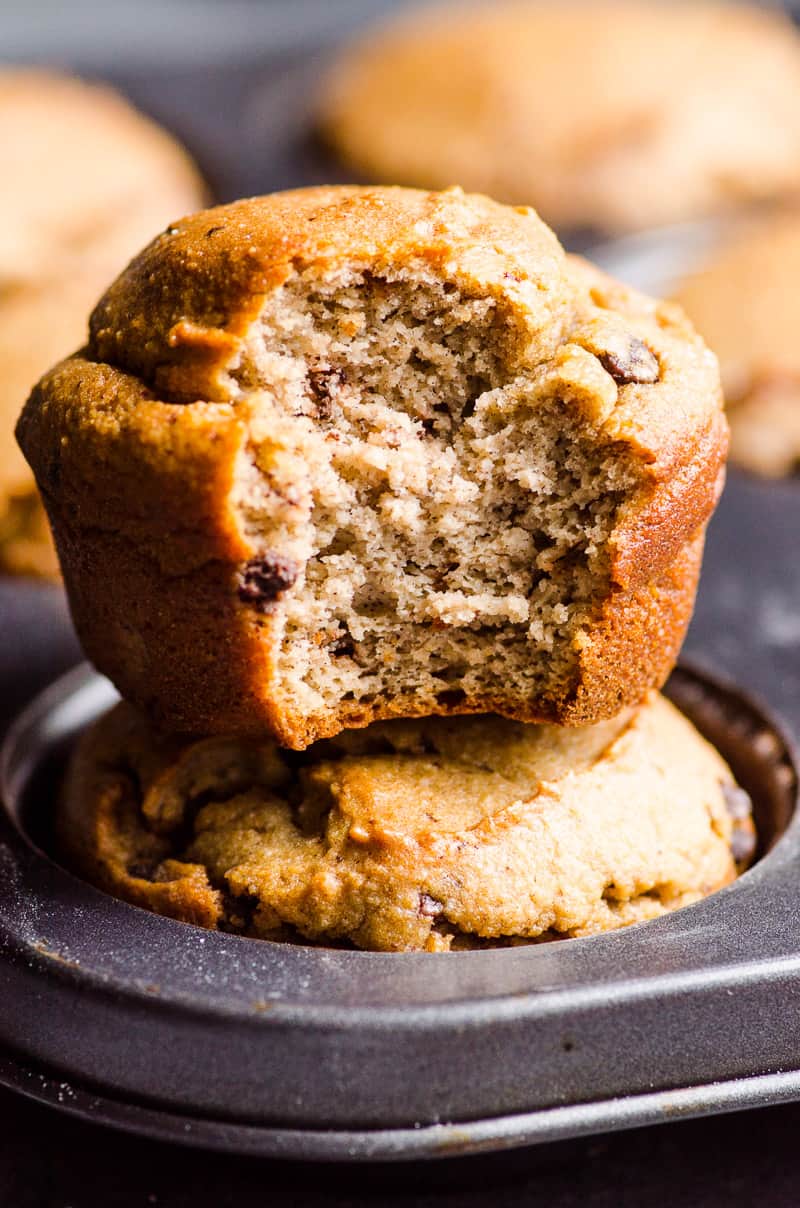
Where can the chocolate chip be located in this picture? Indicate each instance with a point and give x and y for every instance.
(263, 580)
(324, 385)
(632, 363)
(429, 908)
(342, 647)
(737, 802)
(743, 844)
(213, 231)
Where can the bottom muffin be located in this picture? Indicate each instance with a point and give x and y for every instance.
(428, 834)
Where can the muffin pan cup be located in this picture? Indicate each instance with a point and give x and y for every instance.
(161, 1027)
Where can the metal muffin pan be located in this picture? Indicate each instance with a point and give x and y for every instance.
(161, 1027)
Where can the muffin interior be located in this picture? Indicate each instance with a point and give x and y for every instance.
(442, 507)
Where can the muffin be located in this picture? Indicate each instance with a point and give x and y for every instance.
(746, 302)
(342, 454)
(447, 832)
(86, 179)
(609, 114)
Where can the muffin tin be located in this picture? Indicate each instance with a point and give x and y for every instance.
(118, 1015)
(245, 1044)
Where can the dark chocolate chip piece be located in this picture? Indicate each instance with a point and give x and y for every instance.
(429, 908)
(342, 647)
(743, 844)
(324, 384)
(264, 579)
(737, 802)
(632, 363)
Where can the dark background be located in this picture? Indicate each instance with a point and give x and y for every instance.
(234, 81)
(748, 1159)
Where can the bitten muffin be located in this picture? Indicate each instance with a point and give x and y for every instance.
(409, 834)
(610, 114)
(86, 179)
(343, 454)
(746, 302)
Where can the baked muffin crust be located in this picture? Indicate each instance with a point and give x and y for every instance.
(409, 834)
(343, 454)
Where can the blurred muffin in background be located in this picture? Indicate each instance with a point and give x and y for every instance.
(746, 303)
(608, 114)
(86, 182)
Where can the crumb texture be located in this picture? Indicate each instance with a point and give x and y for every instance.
(443, 520)
(410, 834)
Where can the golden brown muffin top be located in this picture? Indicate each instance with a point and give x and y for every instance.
(179, 315)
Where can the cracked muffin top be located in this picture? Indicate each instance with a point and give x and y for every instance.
(341, 454)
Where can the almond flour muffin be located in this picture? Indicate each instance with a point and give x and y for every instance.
(610, 114)
(410, 834)
(746, 302)
(343, 454)
(86, 180)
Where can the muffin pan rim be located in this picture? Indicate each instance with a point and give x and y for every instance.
(432, 1142)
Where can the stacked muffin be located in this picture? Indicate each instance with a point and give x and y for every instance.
(336, 467)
